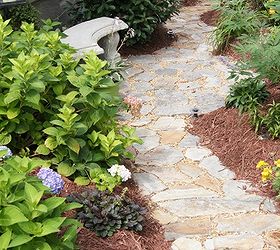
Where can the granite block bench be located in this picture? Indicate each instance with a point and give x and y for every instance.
(100, 35)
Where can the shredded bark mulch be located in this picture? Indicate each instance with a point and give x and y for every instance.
(151, 238)
(210, 17)
(190, 2)
(159, 39)
(231, 137)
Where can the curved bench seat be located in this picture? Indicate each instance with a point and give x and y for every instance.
(100, 35)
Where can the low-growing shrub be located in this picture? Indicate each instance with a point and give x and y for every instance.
(24, 13)
(141, 15)
(271, 121)
(105, 213)
(247, 94)
(53, 106)
(236, 18)
(27, 218)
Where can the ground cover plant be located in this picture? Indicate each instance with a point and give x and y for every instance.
(53, 106)
(142, 16)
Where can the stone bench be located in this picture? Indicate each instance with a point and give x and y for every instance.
(100, 35)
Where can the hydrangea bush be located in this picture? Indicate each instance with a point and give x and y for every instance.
(57, 107)
(51, 179)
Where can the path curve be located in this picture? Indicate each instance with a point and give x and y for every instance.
(196, 197)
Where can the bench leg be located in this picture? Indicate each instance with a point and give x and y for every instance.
(110, 44)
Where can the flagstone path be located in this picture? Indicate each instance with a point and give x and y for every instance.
(196, 197)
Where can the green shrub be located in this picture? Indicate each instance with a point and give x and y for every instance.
(271, 121)
(141, 15)
(27, 219)
(24, 13)
(56, 107)
(105, 213)
(264, 52)
(273, 10)
(236, 19)
(247, 94)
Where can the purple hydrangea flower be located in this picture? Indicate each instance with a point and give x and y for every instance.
(51, 179)
(8, 152)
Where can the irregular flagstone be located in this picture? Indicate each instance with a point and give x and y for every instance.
(148, 183)
(175, 194)
(213, 165)
(169, 123)
(189, 141)
(191, 170)
(150, 140)
(162, 155)
(253, 223)
(192, 226)
(197, 153)
(213, 206)
(186, 244)
(167, 174)
(209, 182)
(164, 217)
(238, 242)
(141, 122)
(171, 137)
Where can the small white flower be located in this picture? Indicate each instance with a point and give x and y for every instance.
(121, 171)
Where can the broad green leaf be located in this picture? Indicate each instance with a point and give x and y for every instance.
(51, 143)
(13, 113)
(32, 194)
(65, 169)
(19, 240)
(31, 227)
(51, 131)
(74, 145)
(52, 225)
(5, 239)
(42, 149)
(53, 202)
(11, 215)
(5, 139)
(82, 181)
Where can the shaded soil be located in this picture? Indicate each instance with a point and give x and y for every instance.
(159, 39)
(151, 238)
(190, 2)
(231, 137)
(210, 17)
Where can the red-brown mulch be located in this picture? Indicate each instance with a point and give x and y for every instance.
(151, 238)
(210, 17)
(190, 2)
(231, 137)
(159, 39)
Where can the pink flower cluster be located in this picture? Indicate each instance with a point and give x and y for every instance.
(134, 104)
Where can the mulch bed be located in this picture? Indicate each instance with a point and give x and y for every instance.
(231, 137)
(151, 238)
(190, 2)
(210, 17)
(159, 39)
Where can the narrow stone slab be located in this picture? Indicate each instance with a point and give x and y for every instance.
(206, 206)
(167, 174)
(175, 194)
(240, 242)
(193, 226)
(171, 137)
(255, 223)
(184, 243)
(191, 170)
(197, 153)
(169, 123)
(213, 165)
(160, 156)
(148, 183)
(163, 217)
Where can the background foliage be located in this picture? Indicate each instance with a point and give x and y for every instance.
(141, 15)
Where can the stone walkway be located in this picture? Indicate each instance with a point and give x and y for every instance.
(196, 198)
